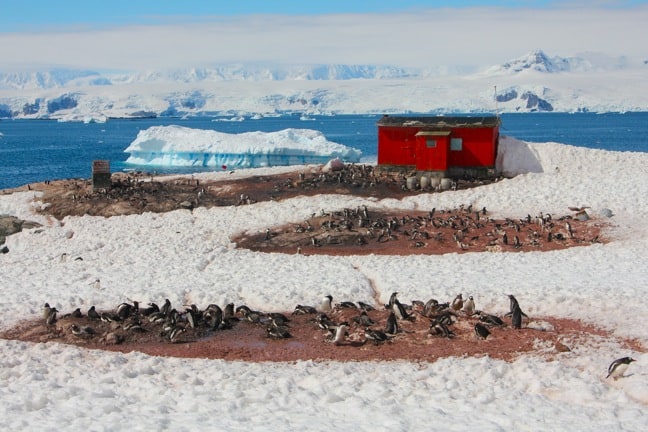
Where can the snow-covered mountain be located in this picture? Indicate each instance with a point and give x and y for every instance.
(533, 82)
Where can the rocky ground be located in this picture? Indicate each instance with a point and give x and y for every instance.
(336, 232)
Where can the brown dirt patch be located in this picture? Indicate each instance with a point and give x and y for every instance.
(248, 341)
(350, 231)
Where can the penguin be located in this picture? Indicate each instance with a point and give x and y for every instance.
(438, 328)
(324, 322)
(152, 308)
(376, 336)
(277, 332)
(392, 299)
(489, 319)
(46, 310)
(304, 310)
(516, 317)
(457, 303)
(346, 305)
(430, 307)
(340, 334)
(327, 304)
(124, 310)
(618, 367)
(392, 324)
(401, 313)
(481, 331)
(279, 319)
(51, 316)
(174, 335)
(469, 306)
(213, 316)
(96, 284)
(84, 332)
(93, 314)
(228, 311)
(365, 307)
(166, 307)
(512, 303)
(363, 319)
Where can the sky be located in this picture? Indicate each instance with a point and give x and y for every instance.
(146, 35)
(188, 257)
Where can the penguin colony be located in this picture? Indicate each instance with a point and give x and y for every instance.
(461, 229)
(341, 323)
(139, 192)
(345, 323)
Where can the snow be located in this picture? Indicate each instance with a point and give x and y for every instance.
(182, 146)
(187, 256)
(561, 84)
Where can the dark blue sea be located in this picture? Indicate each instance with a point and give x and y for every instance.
(38, 150)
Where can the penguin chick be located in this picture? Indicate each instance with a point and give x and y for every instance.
(469, 306)
(457, 303)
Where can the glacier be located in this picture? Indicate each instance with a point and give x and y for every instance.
(182, 146)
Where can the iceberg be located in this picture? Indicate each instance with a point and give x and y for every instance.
(182, 146)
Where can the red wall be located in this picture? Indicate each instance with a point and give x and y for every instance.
(397, 146)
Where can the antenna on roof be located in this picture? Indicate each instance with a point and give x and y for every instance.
(496, 107)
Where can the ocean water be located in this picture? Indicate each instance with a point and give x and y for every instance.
(38, 150)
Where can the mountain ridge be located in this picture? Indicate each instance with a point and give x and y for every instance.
(532, 82)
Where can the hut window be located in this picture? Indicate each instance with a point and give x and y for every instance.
(456, 144)
(430, 143)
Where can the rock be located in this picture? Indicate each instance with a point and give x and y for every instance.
(606, 212)
(333, 165)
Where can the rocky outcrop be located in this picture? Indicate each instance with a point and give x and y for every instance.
(11, 225)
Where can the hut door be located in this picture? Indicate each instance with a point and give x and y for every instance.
(432, 151)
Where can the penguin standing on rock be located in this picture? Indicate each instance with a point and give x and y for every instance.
(618, 367)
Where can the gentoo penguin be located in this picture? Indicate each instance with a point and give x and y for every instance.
(618, 367)
(512, 303)
(392, 324)
(363, 319)
(46, 310)
(166, 307)
(277, 332)
(392, 299)
(346, 305)
(376, 336)
(84, 332)
(279, 319)
(93, 314)
(51, 316)
(439, 328)
(489, 319)
(340, 334)
(469, 306)
(365, 307)
(457, 303)
(481, 331)
(399, 310)
(327, 304)
(174, 335)
(516, 317)
(304, 310)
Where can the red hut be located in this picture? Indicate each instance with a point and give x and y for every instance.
(441, 146)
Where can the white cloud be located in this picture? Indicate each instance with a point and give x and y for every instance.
(427, 38)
